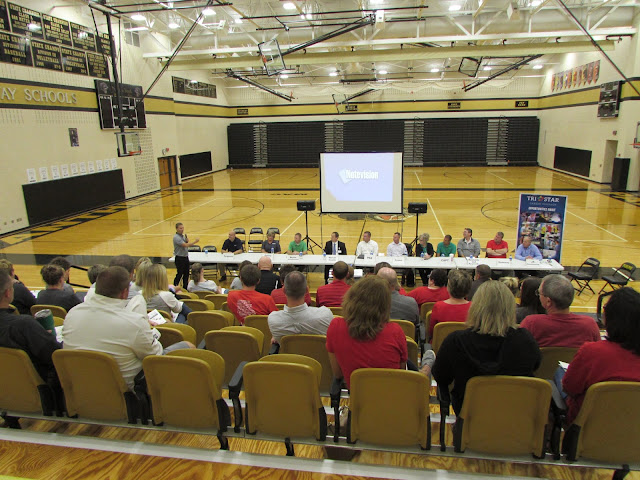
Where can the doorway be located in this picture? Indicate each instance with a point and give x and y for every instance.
(610, 152)
(168, 171)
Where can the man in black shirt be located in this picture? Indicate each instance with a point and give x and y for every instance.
(233, 245)
(23, 299)
(25, 333)
(268, 280)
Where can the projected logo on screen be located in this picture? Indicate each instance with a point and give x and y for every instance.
(348, 175)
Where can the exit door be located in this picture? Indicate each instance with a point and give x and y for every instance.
(167, 171)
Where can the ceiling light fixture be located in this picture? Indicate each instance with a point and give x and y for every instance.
(238, 20)
(538, 66)
(487, 68)
(284, 76)
(435, 70)
(173, 25)
(536, 3)
(207, 12)
(137, 29)
(136, 17)
(382, 72)
(454, 8)
(333, 73)
(289, 6)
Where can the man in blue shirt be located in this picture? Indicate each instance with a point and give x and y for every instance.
(527, 250)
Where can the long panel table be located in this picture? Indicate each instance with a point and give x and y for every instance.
(370, 261)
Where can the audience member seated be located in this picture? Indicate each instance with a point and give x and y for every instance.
(446, 248)
(367, 246)
(425, 250)
(364, 337)
(66, 266)
(529, 299)
(380, 265)
(434, 291)
(136, 302)
(92, 275)
(103, 324)
(23, 299)
(136, 287)
(158, 296)
(199, 284)
(55, 293)
(402, 308)
(270, 245)
(483, 274)
(559, 327)
(297, 317)
(615, 359)
(396, 248)
(492, 345)
(456, 307)
(268, 280)
(248, 301)
(231, 245)
(236, 284)
(25, 333)
(278, 294)
(468, 246)
(528, 251)
(512, 285)
(331, 295)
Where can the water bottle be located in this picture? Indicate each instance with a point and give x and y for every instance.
(324, 256)
(206, 250)
(451, 257)
(300, 254)
(470, 260)
(272, 250)
(510, 259)
(422, 254)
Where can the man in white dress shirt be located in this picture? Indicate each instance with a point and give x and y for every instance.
(367, 246)
(396, 248)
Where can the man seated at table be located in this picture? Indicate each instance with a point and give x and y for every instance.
(231, 245)
(367, 246)
(446, 248)
(468, 246)
(559, 327)
(297, 317)
(498, 247)
(396, 248)
(297, 246)
(270, 245)
(333, 247)
(331, 295)
(247, 301)
(268, 280)
(527, 250)
(402, 308)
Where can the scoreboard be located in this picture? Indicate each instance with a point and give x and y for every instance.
(133, 113)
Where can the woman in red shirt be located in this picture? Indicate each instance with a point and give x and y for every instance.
(615, 359)
(456, 307)
(364, 337)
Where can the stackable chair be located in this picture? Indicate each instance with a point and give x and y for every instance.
(442, 331)
(407, 327)
(194, 248)
(235, 344)
(187, 332)
(56, 311)
(203, 322)
(585, 274)
(256, 237)
(168, 335)
(187, 296)
(199, 305)
(620, 277)
(260, 322)
(313, 346)
(550, 358)
(337, 311)
(217, 299)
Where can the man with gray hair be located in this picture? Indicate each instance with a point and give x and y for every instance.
(483, 274)
(559, 327)
(402, 308)
(297, 317)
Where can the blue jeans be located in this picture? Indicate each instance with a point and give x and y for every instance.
(557, 379)
(182, 316)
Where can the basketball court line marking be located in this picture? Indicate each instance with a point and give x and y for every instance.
(436, 217)
(176, 215)
(504, 179)
(263, 179)
(597, 226)
(416, 174)
(296, 219)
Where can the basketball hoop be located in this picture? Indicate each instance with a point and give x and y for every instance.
(635, 145)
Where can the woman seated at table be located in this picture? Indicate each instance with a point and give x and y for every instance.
(199, 284)
(157, 294)
(456, 307)
(617, 358)
(492, 345)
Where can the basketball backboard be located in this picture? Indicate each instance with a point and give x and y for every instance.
(272, 57)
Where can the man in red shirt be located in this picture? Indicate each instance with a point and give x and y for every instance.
(559, 327)
(330, 295)
(497, 248)
(247, 301)
(435, 290)
(278, 294)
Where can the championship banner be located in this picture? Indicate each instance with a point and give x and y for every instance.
(542, 218)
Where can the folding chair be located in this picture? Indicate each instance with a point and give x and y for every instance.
(256, 237)
(585, 274)
(620, 277)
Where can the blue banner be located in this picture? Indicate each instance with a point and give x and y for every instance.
(541, 217)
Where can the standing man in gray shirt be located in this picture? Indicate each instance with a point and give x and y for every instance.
(468, 246)
(180, 245)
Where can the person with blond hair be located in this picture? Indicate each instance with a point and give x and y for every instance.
(363, 337)
(155, 292)
(491, 345)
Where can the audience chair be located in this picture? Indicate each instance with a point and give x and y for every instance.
(167, 316)
(550, 358)
(56, 311)
(188, 332)
(198, 372)
(217, 299)
(282, 398)
(585, 274)
(58, 321)
(607, 428)
(199, 305)
(93, 386)
(23, 390)
(241, 234)
(260, 322)
(442, 330)
(313, 346)
(186, 296)
(412, 350)
(203, 294)
(13, 309)
(337, 311)
(280, 306)
(407, 327)
(210, 269)
(194, 248)
(375, 415)
(275, 231)
(256, 237)
(203, 322)
(620, 277)
(425, 308)
(168, 335)
(235, 344)
(225, 308)
(503, 415)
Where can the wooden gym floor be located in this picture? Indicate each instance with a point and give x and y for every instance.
(599, 223)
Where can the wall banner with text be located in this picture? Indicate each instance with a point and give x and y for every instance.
(542, 218)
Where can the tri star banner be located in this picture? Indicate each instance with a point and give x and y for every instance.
(542, 218)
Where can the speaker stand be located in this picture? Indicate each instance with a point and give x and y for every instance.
(310, 241)
(415, 240)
